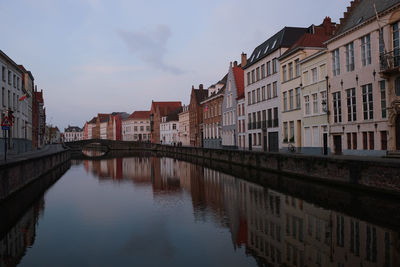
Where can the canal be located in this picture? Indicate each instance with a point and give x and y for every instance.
(151, 211)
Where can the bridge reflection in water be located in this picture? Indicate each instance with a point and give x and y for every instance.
(274, 228)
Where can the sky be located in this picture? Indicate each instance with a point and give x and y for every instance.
(101, 56)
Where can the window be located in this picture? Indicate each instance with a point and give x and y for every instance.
(274, 65)
(367, 102)
(274, 89)
(297, 66)
(371, 141)
(351, 105)
(371, 246)
(3, 96)
(314, 75)
(268, 91)
(269, 68)
(263, 93)
(298, 97)
(248, 78)
(252, 76)
(335, 62)
(290, 70)
(284, 101)
(262, 71)
(350, 56)
(291, 131)
(258, 73)
(285, 132)
(382, 86)
(284, 78)
(135, 128)
(3, 73)
(365, 140)
(14, 81)
(337, 107)
(9, 77)
(366, 50)
(315, 103)
(249, 98)
(253, 94)
(354, 140)
(291, 99)
(348, 140)
(324, 104)
(276, 117)
(307, 104)
(173, 127)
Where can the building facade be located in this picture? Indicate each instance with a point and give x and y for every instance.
(212, 118)
(314, 101)
(291, 82)
(169, 128)
(73, 133)
(184, 126)
(262, 90)
(157, 111)
(196, 115)
(234, 87)
(137, 127)
(359, 96)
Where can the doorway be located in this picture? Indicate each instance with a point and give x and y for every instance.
(337, 143)
(273, 140)
(325, 140)
(250, 142)
(397, 132)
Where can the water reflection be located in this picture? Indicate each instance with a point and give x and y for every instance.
(276, 229)
(20, 237)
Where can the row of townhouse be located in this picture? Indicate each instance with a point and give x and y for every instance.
(323, 89)
(23, 104)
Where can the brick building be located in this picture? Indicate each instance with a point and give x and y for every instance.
(196, 115)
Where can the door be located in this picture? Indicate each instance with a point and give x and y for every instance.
(273, 141)
(265, 141)
(250, 142)
(337, 142)
(325, 140)
(398, 132)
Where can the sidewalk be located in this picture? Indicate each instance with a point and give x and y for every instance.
(48, 149)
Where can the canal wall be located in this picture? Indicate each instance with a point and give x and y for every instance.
(16, 173)
(377, 174)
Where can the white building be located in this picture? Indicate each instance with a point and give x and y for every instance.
(183, 129)
(73, 133)
(169, 128)
(262, 90)
(13, 101)
(136, 127)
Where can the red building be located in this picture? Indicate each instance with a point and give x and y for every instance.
(157, 111)
(38, 119)
(196, 115)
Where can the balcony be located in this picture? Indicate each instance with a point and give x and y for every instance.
(258, 124)
(390, 63)
(249, 126)
(275, 123)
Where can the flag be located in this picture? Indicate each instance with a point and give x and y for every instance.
(22, 98)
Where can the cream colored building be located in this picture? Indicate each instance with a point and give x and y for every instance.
(136, 127)
(363, 103)
(183, 129)
(314, 102)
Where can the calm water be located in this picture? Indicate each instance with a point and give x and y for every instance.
(164, 212)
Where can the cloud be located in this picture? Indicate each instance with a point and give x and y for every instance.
(150, 46)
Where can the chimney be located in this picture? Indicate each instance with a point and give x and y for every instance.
(235, 63)
(201, 86)
(244, 59)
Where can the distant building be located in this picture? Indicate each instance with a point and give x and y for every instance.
(53, 135)
(157, 111)
(212, 118)
(136, 127)
(114, 125)
(38, 119)
(169, 128)
(90, 126)
(234, 88)
(196, 115)
(73, 133)
(184, 126)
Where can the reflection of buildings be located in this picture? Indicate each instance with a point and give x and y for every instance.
(14, 243)
(276, 229)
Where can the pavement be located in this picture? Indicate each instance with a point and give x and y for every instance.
(48, 149)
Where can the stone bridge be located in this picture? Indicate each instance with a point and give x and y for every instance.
(106, 146)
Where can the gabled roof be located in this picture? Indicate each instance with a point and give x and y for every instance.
(73, 129)
(173, 115)
(200, 94)
(123, 115)
(93, 120)
(104, 117)
(315, 38)
(239, 80)
(140, 115)
(166, 107)
(284, 38)
(362, 10)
